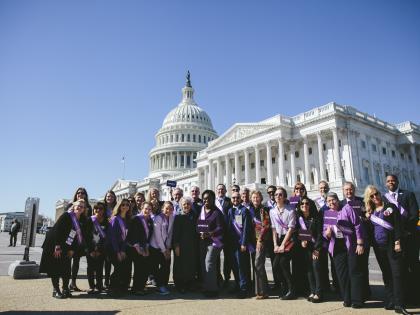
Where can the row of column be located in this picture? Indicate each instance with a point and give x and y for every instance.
(213, 175)
(171, 160)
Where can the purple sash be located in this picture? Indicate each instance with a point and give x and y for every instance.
(97, 226)
(143, 221)
(122, 227)
(238, 229)
(279, 220)
(304, 234)
(202, 224)
(377, 220)
(345, 226)
(391, 199)
(76, 226)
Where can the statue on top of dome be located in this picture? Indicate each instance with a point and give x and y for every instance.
(188, 79)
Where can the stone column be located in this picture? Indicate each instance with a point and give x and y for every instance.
(320, 157)
(228, 171)
(211, 175)
(292, 165)
(164, 161)
(339, 173)
(306, 162)
(269, 164)
(257, 165)
(281, 162)
(185, 159)
(192, 159)
(237, 168)
(178, 160)
(218, 172)
(414, 162)
(246, 161)
(206, 179)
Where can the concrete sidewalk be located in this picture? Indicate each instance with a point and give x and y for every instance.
(34, 296)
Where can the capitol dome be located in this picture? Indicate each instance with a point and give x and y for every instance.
(186, 130)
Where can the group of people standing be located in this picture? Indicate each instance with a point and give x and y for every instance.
(296, 233)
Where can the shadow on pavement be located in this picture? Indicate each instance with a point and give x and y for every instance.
(62, 312)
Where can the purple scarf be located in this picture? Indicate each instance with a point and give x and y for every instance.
(97, 226)
(391, 199)
(76, 226)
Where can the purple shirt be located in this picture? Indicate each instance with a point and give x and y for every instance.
(215, 220)
(346, 214)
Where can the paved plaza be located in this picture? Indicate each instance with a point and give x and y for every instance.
(34, 296)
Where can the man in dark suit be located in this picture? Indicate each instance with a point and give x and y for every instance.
(224, 204)
(357, 203)
(406, 201)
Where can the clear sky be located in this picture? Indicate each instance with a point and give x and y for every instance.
(83, 83)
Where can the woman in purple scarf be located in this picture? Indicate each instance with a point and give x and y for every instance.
(117, 246)
(386, 221)
(60, 244)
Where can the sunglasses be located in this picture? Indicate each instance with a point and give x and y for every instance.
(374, 195)
(279, 195)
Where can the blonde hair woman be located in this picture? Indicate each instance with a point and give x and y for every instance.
(386, 221)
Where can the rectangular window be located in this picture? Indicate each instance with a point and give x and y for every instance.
(393, 153)
(273, 160)
(296, 154)
(252, 165)
(366, 174)
(373, 147)
(243, 168)
(261, 162)
(339, 142)
(363, 144)
(324, 147)
(384, 151)
(310, 151)
(285, 157)
(402, 156)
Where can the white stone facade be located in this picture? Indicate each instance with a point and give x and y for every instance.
(332, 142)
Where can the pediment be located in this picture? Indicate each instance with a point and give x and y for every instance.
(119, 184)
(238, 132)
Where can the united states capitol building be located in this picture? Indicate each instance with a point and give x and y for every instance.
(333, 142)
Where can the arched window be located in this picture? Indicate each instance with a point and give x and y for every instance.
(188, 138)
(194, 138)
(182, 138)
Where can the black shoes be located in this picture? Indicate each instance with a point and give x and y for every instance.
(389, 306)
(346, 304)
(57, 294)
(401, 310)
(289, 296)
(357, 305)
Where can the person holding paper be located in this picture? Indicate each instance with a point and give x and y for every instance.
(386, 241)
(342, 230)
(210, 226)
(283, 221)
(60, 244)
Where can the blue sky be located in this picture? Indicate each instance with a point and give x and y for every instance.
(83, 83)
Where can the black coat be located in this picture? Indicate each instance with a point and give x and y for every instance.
(186, 237)
(92, 238)
(58, 236)
(408, 201)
